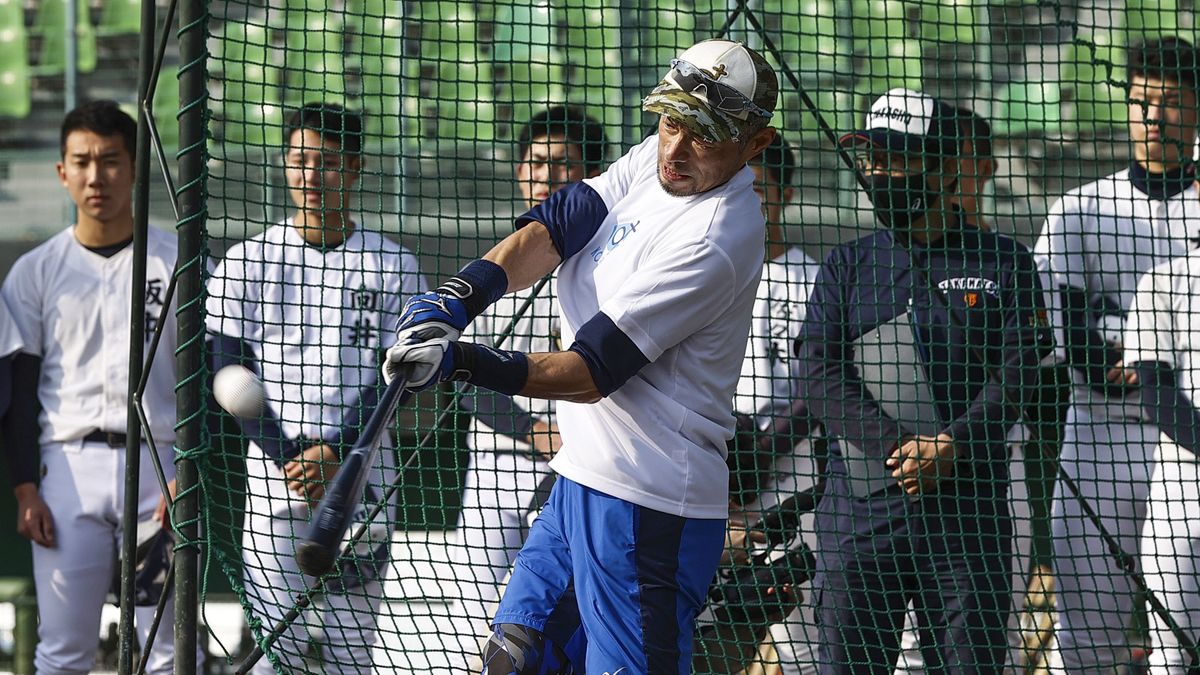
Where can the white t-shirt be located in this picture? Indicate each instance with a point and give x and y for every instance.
(1164, 325)
(677, 275)
(769, 381)
(318, 320)
(10, 335)
(73, 309)
(1101, 237)
(536, 330)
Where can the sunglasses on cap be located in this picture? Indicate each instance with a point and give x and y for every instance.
(723, 97)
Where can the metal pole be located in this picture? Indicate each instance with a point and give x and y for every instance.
(137, 345)
(193, 97)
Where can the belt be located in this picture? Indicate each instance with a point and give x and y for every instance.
(110, 438)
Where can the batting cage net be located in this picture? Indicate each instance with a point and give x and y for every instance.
(972, 325)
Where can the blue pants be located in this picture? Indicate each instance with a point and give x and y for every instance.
(880, 554)
(616, 586)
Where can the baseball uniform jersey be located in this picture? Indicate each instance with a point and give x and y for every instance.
(1099, 239)
(72, 307)
(315, 319)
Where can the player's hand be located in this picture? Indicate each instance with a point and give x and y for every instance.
(308, 473)
(922, 462)
(34, 521)
(429, 362)
(160, 512)
(1122, 376)
(545, 440)
(431, 315)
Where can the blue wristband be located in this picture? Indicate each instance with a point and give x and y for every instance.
(478, 285)
(495, 369)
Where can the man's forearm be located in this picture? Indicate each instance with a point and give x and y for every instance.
(525, 255)
(560, 376)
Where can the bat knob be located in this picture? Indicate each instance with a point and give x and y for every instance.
(315, 560)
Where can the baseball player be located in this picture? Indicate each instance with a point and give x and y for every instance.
(303, 304)
(512, 439)
(915, 505)
(1160, 347)
(70, 299)
(658, 263)
(1096, 243)
(772, 455)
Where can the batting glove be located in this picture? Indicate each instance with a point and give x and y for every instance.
(430, 361)
(431, 315)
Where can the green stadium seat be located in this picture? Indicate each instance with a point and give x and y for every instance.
(1146, 19)
(1029, 108)
(806, 35)
(166, 108)
(15, 87)
(874, 20)
(120, 17)
(12, 14)
(49, 24)
(592, 46)
(528, 68)
(316, 66)
(1089, 82)
(889, 64)
(667, 29)
(253, 124)
(948, 21)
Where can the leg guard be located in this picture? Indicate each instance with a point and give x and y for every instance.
(513, 649)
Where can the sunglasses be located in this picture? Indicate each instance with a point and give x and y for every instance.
(723, 97)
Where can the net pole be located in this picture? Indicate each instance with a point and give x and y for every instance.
(193, 52)
(137, 344)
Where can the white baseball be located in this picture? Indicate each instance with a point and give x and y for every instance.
(239, 391)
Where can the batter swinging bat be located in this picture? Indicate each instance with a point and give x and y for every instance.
(317, 553)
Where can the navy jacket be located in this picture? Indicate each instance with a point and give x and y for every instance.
(981, 344)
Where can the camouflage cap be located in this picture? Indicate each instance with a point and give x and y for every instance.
(717, 89)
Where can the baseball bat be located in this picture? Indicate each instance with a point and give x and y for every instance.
(317, 553)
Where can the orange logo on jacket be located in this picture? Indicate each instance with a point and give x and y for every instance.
(971, 299)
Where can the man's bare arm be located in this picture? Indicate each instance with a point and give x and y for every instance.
(525, 255)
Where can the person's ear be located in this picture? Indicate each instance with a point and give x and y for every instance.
(987, 170)
(758, 142)
(787, 194)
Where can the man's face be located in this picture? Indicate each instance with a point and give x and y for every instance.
(1162, 120)
(974, 173)
(98, 174)
(319, 175)
(774, 196)
(689, 165)
(550, 163)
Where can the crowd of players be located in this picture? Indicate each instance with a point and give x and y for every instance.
(605, 344)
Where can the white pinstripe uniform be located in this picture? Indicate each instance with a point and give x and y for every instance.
(765, 391)
(315, 319)
(73, 310)
(1164, 326)
(1100, 238)
(503, 481)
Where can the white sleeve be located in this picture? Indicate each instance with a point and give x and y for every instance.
(23, 298)
(614, 183)
(1150, 327)
(10, 335)
(227, 309)
(1061, 248)
(672, 295)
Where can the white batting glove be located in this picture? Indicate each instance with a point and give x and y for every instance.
(428, 361)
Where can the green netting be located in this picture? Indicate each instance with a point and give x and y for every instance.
(314, 246)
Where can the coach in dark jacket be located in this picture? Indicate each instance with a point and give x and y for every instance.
(921, 343)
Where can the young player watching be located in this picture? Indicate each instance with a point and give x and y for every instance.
(513, 439)
(70, 298)
(303, 305)
(1096, 243)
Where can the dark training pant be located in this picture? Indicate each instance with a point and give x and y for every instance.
(880, 554)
